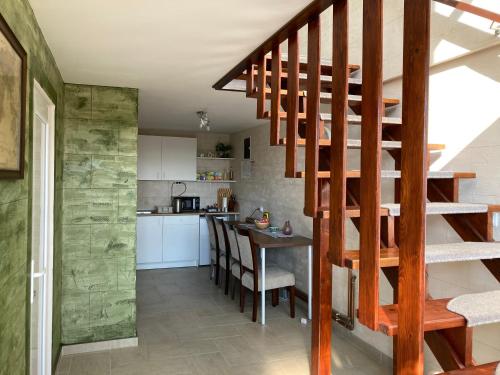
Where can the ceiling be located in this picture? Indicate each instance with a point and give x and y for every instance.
(173, 51)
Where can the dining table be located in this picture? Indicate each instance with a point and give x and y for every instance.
(268, 240)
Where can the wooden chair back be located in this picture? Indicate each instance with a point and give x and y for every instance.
(219, 231)
(231, 243)
(211, 232)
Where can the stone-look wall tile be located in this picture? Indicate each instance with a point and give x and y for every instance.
(86, 137)
(12, 322)
(78, 101)
(76, 240)
(13, 240)
(42, 67)
(77, 171)
(127, 206)
(89, 275)
(86, 206)
(126, 273)
(113, 241)
(76, 311)
(115, 104)
(114, 171)
(127, 141)
(99, 204)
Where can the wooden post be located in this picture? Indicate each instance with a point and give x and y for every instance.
(312, 130)
(322, 293)
(292, 119)
(411, 300)
(338, 151)
(250, 89)
(275, 95)
(371, 153)
(261, 87)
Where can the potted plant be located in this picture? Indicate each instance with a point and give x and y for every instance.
(223, 150)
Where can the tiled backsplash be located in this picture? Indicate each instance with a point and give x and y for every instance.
(151, 194)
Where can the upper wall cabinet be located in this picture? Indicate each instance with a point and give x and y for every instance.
(149, 157)
(166, 158)
(178, 158)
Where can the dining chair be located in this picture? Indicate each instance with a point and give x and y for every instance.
(213, 246)
(251, 277)
(224, 256)
(232, 245)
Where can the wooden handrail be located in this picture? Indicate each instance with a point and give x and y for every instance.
(488, 14)
(295, 24)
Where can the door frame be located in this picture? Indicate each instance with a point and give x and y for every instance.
(44, 108)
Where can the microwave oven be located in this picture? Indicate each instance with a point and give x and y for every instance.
(185, 204)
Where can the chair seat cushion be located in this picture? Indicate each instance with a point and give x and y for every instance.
(275, 278)
(235, 270)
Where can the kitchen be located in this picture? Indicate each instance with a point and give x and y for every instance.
(181, 180)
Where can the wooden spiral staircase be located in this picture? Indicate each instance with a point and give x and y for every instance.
(392, 236)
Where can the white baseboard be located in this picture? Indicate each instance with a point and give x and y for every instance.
(99, 346)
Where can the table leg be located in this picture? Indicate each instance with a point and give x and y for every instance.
(309, 282)
(263, 287)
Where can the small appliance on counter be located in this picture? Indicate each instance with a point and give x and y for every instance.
(185, 204)
(165, 209)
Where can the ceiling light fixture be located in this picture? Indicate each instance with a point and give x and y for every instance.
(204, 122)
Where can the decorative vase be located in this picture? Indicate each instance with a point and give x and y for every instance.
(287, 228)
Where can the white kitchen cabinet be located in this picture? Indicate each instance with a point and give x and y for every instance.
(149, 239)
(166, 158)
(178, 158)
(181, 240)
(149, 165)
(168, 241)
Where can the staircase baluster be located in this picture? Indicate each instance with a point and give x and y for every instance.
(250, 89)
(411, 300)
(275, 95)
(312, 129)
(292, 120)
(372, 110)
(339, 130)
(261, 87)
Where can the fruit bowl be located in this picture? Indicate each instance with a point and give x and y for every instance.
(262, 224)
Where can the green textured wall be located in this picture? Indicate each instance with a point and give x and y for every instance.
(15, 203)
(99, 213)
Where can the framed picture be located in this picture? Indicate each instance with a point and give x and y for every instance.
(13, 80)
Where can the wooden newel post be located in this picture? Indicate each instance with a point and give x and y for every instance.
(411, 299)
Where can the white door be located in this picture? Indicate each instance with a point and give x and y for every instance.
(149, 239)
(149, 157)
(179, 159)
(42, 234)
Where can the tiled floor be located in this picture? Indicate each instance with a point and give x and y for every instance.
(187, 326)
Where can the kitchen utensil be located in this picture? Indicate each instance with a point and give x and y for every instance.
(177, 205)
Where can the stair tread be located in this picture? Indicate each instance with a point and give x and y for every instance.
(433, 208)
(436, 316)
(356, 119)
(477, 308)
(356, 143)
(486, 369)
(441, 253)
(441, 208)
(397, 174)
(388, 102)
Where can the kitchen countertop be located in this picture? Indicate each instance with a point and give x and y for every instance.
(197, 213)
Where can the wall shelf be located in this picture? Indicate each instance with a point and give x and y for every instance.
(217, 181)
(207, 158)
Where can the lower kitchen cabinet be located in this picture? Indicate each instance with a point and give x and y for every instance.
(167, 241)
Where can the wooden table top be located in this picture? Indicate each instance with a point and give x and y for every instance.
(268, 242)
